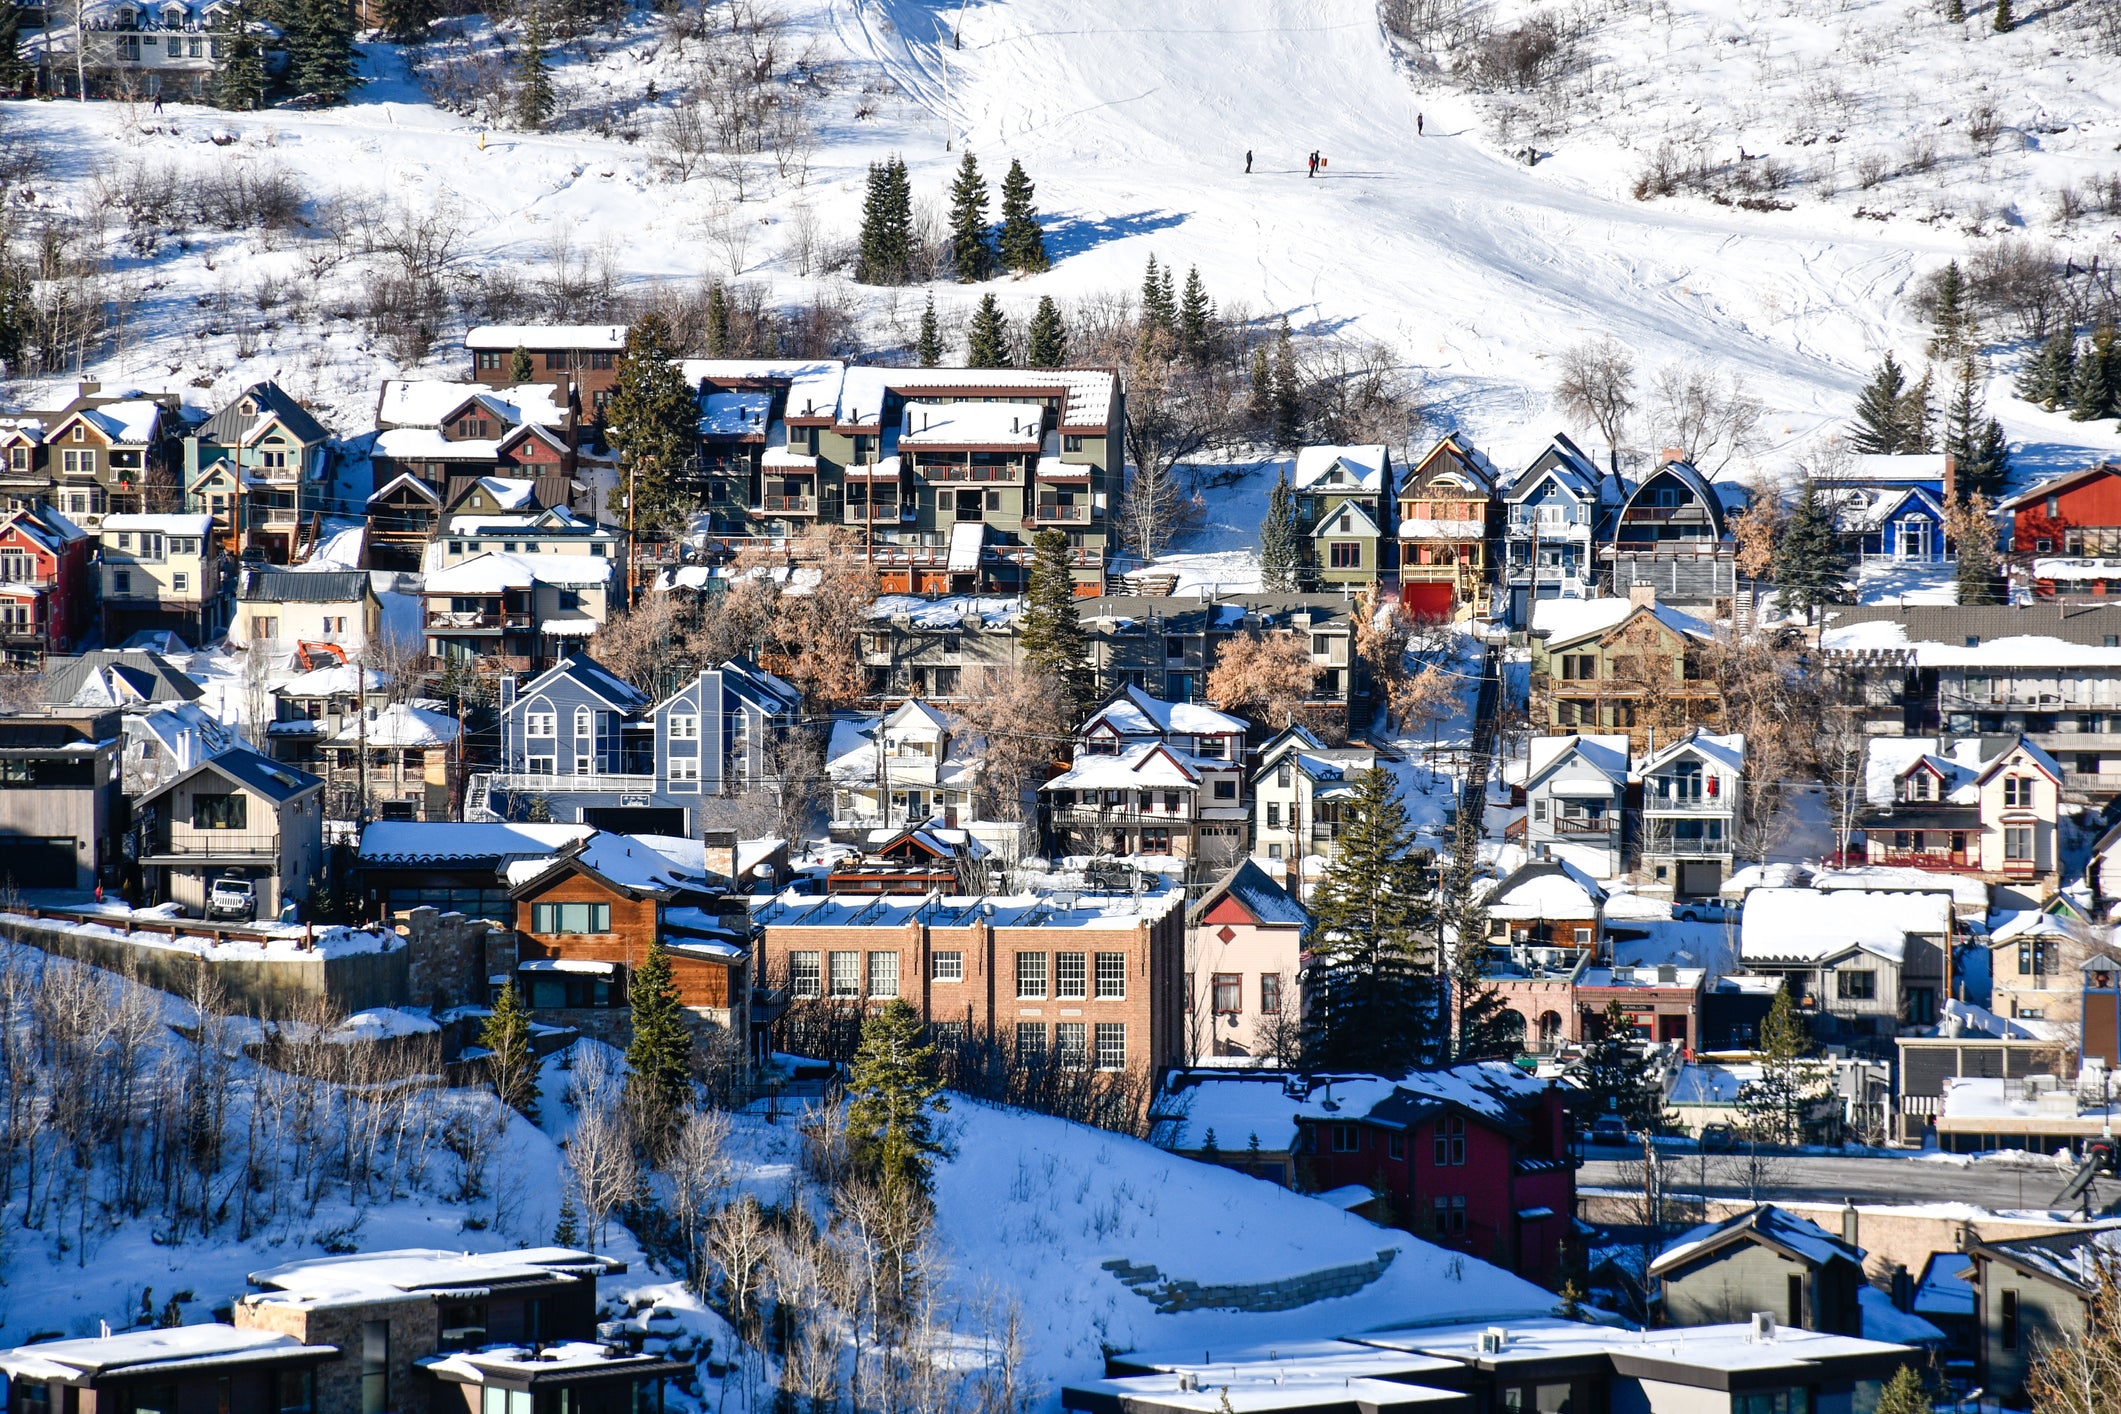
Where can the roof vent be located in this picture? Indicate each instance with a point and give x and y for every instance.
(1667, 973)
(1494, 1340)
(1763, 1327)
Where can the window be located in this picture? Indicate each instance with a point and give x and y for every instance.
(2035, 959)
(2018, 792)
(803, 977)
(1347, 1139)
(152, 1399)
(570, 918)
(1072, 1042)
(946, 967)
(883, 975)
(1072, 442)
(1772, 1401)
(846, 973)
(121, 581)
(1111, 1045)
(1541, 1399)
(180, 583)
(541, 724)
(2018, 844)
(2010, 1319)
(219, 812)
(1229, 993)
(685, 768)
(1030, 976)
(541, 766)
(1156, 841)
(375, 1367)
(1174, 648)
(1857, 986)
(948, 1033)
(1448, 1214)
(1344, 554)
(1030, 1040)
(495, 1400)
(1396, 1147)
(1273, 814)
(1111, 976)
(684, 727)
(1226, 790)
(264, 627)
(1796, 1300)
(1070, 976)
(1450, 1141)
(294, 1392)
(1270, 993)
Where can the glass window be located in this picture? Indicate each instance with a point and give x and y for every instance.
(1270, 993)
(846, 974)
(1072, 1041)
(1347, 1139)
(1030, 1040)
(219, 812)
(1111, 976)
(1858, 986)
(1030, 975)
(1450, 1141)
(1772, 1401)
(947, 967)
(883, 974)
(803, 979)
(1070, 976)
(375, 1367)
(2018, 844)
(570, 918)
(684, 728)
(1111, 1045)
(1229, 990)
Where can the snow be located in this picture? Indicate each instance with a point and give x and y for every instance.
(401, 841)
(400, 726)
(1808, 925)
(1014, 426)
(166, 524)
(626, 861)
(69, 1359)
(1563, 620)
(1608, 754)
(1361, 468)
(422, 402)
(495, 571)
(1137, 714)
(1569, 893)
(2016, 651)
(342, 546)
(1969, 895)
(508, 337)
(735, 414)
(519, 1360)
(367, 1276)
(131, 422)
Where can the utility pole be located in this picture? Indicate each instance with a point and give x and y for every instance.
(361, 736)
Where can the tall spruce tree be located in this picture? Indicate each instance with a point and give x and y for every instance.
(884, 255)
(1051, 632)
(1951, 317)
(717, 322)
(510, 1066)
(987, 337)
(534, 97)
(16, 75)
(2045, 377)
(1810, 565)
(1990, 464)
(2004, 23)
(1964, 411)
(1259, 379)
(406, 21)
(1375, 1000)
(659, 1058)
(1774, 1105)
(1617, 1075)
(652, 420)
(1288, 391)
(1047, 339)
(321, 59)
(1281, 557)
(971, 243)
(2092, 382)
(928, 348)
(1880, 408)
(1482, 1030)
(1023, 242)
(892, 1094)
(1196, 317)
(1918, 416)
(1159, 322)
(239, 84)
(520, 369)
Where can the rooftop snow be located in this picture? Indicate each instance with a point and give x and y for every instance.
(1969, 895)
(1808, 925)
(1608, 754)
(366, 1276)
(1360, 468)
(495, 571)
(2024, 651)
(64, 1359)
(1014, 425)
(399, 841)
(421, 402)
(1136, 713)
(399, 726)
(735, 414)
(606, 337)
(166, 524)
(1034, 910)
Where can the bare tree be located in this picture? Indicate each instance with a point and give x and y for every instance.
(1021, 718)
(1841, 748)
(1708, 417)
(1597, 385)
(601, 1149)
(1267, 675)
(697, 1166)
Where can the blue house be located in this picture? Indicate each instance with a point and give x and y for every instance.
(1555, 515)
(1892, 523)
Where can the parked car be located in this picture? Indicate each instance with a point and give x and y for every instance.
(1609, 1129)
(1718, 1139)
(1704, 910)
(232, 898)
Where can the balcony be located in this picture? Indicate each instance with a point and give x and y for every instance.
(570, 785)
(885, 513)
(1671, 846)
(207, 846)
(1046, 513)
(1584, 825)
(786, 505)
(475, 621)
(949, 471)
(1942, 861)
(1685, 804)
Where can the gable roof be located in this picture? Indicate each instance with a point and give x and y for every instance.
(1797, 1238)
(2057, 485)
(277, 782)
(231, 426)
(1463, 462)
(1132, 769)
(115, 677)
(405, 479)
(1608, 755)
(592, 677)
(1545, 889)
(1257, 893)
(1133, 712)
(2069, 1259)
(1811, 926)
(1684, 625)
(1348, 518)
(1362, 467)
(1565, 462)
(1726, 750)
(273, 584)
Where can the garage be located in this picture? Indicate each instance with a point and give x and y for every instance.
(39, 862)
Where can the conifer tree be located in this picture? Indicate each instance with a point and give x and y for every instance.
(1879, 409)
(2004, 21)
(1810, 566)
(1375, 999)
(1964, 411)
(987, 337)
(2091, 387)
(534, 99)
(1159, 313)
(1196, 317)
(568, 1231)
(653, 420)
(1904, 1394)
(893, 1092)
(1288, 391)
(717, 322)
(406, 21)
(1917, 417)
(659, 1059)
(2045, 378)
(509, 1063)
(1281, 555)
(322, 61)
(1789, 1081)
(1051, 632)
(928, 348)
(1617, 1075)
(1482, 1014)
(1261, 379)
(1048, 337)
(1023, 242)
(520, 368)
(239, 84)
(1951, 317)
(971, 245)
(1990, 465)
(1973, 535)
(884, 255)
(15, 72)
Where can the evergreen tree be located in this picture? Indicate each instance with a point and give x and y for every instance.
(1051, 632)
(1951, 316)
(971, 244)
(520, 368)
(1990, 465)
(1376, 1000)
(1023, 243)
(406, 21)
(653, 419)
(321, 59)
(1048, 337)
(1917, 417)
(1774, 1104)
(1904, 1394)
(1196, 317)
(1810, 566)
(16, 74)
(2045, 378)
(1159, 313)
(717, 322)
(2003, 16)
(568, 1231)
(1261, 378)
(1617, 1075)
(929, 347)
(884, 255)
(987, 338)
(1281, 540)
(1879, 410)
(509, 1063)
(659, 1059)
(534, 100)
(2091, 386)
(1288, 391)
(1483, 1032)
(893, 1091)
(239, 84)
(1964, 412)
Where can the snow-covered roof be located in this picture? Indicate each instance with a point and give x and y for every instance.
(2074, 1257)
(2023, 651)
(1257, 893)
(735, 414)
(1971, 1097)
(514, 1363)
(400, 727)
(1081, 909)
(1567, 620)
(1606, 754)
(1086, 392)
(1545, 890)
(1896, 468)
(1967, 893)
(625, 861)
(1014, 426)
(1727, 750)
(1144, 765)
(813, 384)
(407, 403)
(1359, 468)
(131, 422)
(139, 1352)
(606, 337)
(1135, 713)
(1800, 1237)
(447, 841)
(1236, 1106)
(373, 1276)
(428, 444)
(1812, 926)
(496, 570)
(171, 524)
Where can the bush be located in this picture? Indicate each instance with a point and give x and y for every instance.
(1536, 52)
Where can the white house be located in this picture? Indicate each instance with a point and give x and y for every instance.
(1298, 788)
(902, 768)
(1575, 802)
(1693, 802)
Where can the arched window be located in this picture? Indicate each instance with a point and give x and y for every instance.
(1549, 1030)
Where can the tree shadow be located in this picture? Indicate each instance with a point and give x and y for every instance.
(1068, 234)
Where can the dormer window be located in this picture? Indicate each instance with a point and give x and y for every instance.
(1922, 785)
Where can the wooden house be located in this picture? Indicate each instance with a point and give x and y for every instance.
(1448, 516)
(584, 356)
(1345, 505)
(2065, 533)
(1630, 665)
(47, 595)
(1670, 534)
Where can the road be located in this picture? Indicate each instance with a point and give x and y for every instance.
(1994, 1184)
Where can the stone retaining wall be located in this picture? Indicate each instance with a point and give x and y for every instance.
(1287, 1294)
(273, 987)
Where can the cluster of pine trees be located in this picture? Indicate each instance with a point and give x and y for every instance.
(318, 36)
(890, 253)
(1896, 416)
(2086, 378)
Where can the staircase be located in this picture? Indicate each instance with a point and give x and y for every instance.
(478, 792)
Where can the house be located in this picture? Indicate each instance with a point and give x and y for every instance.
(443, 435)
(526, 610)
(2099, 1013)
(1080, 980)
(1155, 778)
(46, 599)
(171, 49)
(594, 748)
(1693, 806)
(517, 516)
(751, 465)
(1559, 999)
(103, 455)
(1244, 959)
(910, 764)
(1555, 513)
(1546, 907)
(396, 762)
(584, 356)
(1889, 512)
(1448, 515)
(2036, 967)
(1862, 961)
(1985, 806)
(1575, 802)
(163, 572)
(25, 480)
(454, 868)
(915, 859)
(1344, 506)
(260, 467)
(1167, 647)
(61, 808)
(1630, 665)
(2031, 1293)
(1670, 535)
(166, 739)
(279, 608)
(182, 1367)
(236, 815)
(1762, 1260)
(134, 680)
(1298, 788)
(2065, 533)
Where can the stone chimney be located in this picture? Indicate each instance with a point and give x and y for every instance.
(1642, 596)
(720, 854)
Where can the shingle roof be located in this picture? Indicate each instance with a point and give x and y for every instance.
(270, 584)
(1799, 1237)
(141, 677)
(1252, 887)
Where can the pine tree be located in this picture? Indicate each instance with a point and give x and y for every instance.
(1951, 317)
(1483, 1032)
(1288, 391)
(1159, 314)
(406, 21)
(1196, 317)
(1964, 411)
(1023, 243)
(893, 1092)
(1048, 337)
(1917, 417)
(1810, 565)
(971, 244)
(534, 100)
(653, 420)
(1904, 1394)
(717, 322)
(15, 72)
(509, 1063)
(987, 338)
(2045, 378)
(2003, 16)
(1261, 380)
(1281, 555)
(659, 1059)
(1376, 1002)
(520, 368)
(1774, 1104)
(1955, 10)
(1972, 532)
(1617, 1075)
(1879, 408)
(1051, 632)
(929, 347)
(2091, 386)
(884, 255)
(1990, 465)
(322, 61)
(239, 84)
(568, 1231)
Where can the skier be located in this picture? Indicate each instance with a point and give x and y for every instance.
(1417, 125)
(1314, 166)
(1248, 161)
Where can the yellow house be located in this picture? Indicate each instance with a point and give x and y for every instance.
(162, 572)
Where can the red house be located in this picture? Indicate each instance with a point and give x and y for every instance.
(45, 597)
(2063, 528)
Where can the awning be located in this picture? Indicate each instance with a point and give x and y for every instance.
(966, 537)
(1581, 790)
(1533, 1215)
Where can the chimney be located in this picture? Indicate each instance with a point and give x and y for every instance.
(1951, 478)
(1670, 455)
(1642, 596)
(719, 856)
(1849, 1222)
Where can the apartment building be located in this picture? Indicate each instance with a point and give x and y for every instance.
(1631, 665)
(2065, 534)
(584, 356)
(61, 802)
